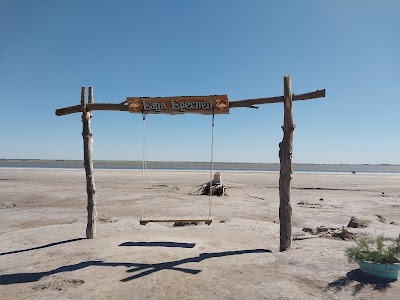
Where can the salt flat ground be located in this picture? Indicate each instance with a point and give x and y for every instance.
(44, 253)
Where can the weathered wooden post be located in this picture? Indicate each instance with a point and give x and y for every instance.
(88, 163)
(285, 157)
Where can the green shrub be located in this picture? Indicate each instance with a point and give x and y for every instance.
(374, 250)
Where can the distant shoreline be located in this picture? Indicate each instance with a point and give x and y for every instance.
(223, 166)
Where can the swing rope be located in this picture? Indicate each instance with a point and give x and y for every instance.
(211, 166)
(144, 167)
(144, 172)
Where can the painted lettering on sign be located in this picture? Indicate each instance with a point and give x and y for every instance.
(183, 106)
(217, 104)
(156, 106)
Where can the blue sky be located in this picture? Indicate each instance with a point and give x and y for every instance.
(49, 49)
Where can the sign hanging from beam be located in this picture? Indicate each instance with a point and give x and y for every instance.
(206, 105)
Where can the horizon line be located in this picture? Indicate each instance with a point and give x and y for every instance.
(202, 162)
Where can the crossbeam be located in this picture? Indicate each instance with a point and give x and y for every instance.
(257, 101)
(247, 103)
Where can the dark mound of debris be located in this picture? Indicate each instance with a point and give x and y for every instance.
(217, 187)
(178, 224)
(331, 232)
(358, 223)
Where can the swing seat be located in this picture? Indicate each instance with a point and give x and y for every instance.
(144, 221)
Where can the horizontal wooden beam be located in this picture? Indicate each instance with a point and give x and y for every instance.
(258, 101)
(249, 103)
(94, 106)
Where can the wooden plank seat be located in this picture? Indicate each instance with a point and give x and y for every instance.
(144, 221)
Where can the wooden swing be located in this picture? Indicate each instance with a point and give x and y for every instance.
(217, 104)
(207, 220)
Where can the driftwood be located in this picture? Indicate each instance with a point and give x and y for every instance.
(285, 157)
(217, 187)
(88, 163)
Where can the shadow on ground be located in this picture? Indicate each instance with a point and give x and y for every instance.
(42, 247)
(358, 280)
(159, 244)
(139, 269)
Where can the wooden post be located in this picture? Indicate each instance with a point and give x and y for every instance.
(88, 163)
(285, 157)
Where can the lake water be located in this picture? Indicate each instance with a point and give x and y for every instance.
(266, 167)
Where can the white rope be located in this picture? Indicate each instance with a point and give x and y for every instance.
(211, 166)
(144, 167)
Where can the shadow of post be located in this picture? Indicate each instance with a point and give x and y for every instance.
(42, 247)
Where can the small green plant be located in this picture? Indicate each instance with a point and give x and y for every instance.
(374, 250)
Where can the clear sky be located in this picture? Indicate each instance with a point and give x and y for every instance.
(49, 49)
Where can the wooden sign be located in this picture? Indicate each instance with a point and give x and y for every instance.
(206, 105)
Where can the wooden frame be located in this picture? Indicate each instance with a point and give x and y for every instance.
(249, 103)
(285, 147)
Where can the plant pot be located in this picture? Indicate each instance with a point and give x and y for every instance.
(389, 271)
